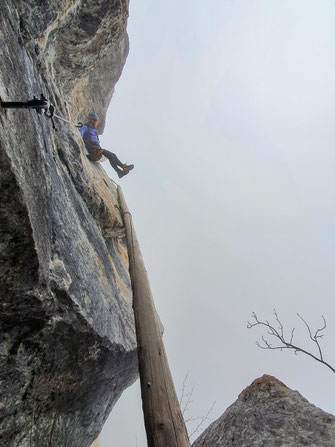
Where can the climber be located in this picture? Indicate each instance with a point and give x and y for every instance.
(91, 140)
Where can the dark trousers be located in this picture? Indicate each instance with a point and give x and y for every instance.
(113, 160)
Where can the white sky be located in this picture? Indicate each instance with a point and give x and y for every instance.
(226, 109)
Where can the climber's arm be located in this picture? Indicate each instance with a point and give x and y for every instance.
(83, 130)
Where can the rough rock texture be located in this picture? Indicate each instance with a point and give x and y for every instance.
(268, 414)
(71, 50)
(67, 338)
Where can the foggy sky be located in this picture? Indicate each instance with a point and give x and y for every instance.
(226, 109)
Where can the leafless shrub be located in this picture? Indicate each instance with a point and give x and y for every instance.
(185, 402)
(282, 341)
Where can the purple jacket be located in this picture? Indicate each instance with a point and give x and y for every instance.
(89, 135)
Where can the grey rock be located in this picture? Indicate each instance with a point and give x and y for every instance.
(269, 414)
(67, 335)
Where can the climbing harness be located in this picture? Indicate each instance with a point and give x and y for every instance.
(96, 157)
(41, 106)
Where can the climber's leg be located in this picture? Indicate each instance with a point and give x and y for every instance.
(116, 163)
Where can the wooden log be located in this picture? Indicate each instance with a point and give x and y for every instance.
(163, 419)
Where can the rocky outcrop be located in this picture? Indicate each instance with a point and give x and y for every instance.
(74, 50)
(269, 414)
(67, 338)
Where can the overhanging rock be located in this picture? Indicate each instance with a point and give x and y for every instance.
(67, 336)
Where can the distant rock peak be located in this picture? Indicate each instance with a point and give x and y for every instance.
(269, 414)
(266, 386)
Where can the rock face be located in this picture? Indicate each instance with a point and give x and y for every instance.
(268, 414)
(67, 337)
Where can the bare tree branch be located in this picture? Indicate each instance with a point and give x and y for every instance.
(315, 337)
(203, 420)
(185, 402)
(183, 393)
(188, 402)
(278, 334)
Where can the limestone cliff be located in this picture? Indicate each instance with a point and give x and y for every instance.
(269, 414)
(67, 339)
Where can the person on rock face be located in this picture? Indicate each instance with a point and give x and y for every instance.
(91, 140)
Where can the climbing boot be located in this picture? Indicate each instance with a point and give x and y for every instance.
(122, 173)
(128, 167)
